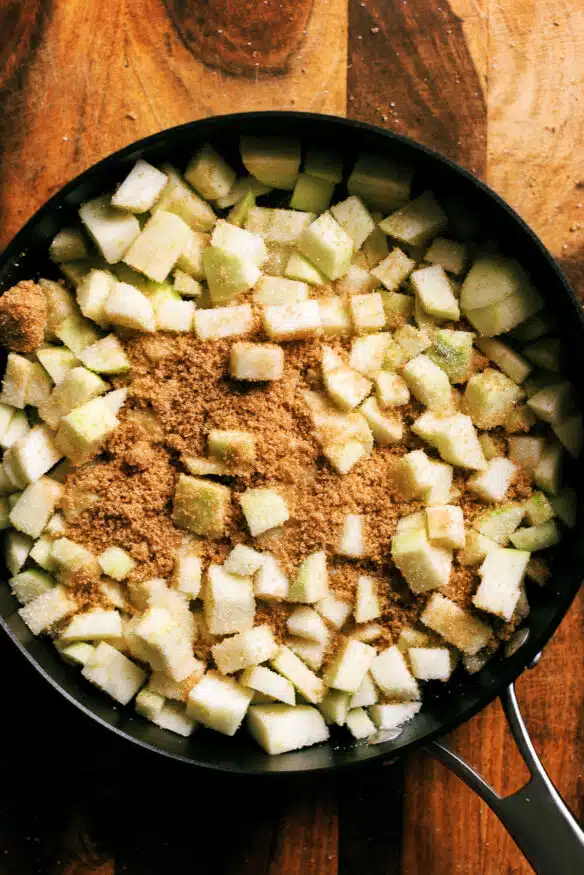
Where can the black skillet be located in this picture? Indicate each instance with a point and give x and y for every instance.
(535, 816)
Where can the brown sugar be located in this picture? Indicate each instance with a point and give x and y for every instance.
(180, 389)
(23, 317)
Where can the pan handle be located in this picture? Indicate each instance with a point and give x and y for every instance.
(536, 816)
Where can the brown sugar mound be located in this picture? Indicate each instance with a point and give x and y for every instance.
(23, 317)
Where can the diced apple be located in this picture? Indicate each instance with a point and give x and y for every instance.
(266, 681)
(368, 353)
(548, 472)
(42, 553)
(366, 694)
(107, 356)
(511, 363)
(412, 522)
(334, 609)
(233, 448)
(500, 523)
(359, 724)
(533, 538)
(78, 387)
(201, 506)
(491, 279)
(413, 341)
(209, 174)
(553, 403)
(181, 200)
(538, 509)
(393, 716)
(149, 704)
(356, 281)
(391, 390)
(35, 454)
(334, 707)
(417, 222)
(335, 318)
(17, 375)
(78, 653)
(229, 602)
(311, 193)
(116, 563)
(35, 506)
(301, 269)
(505, 314)
(398, 308)
(492, 483)
(112, 230)
(449, 254)
(346, 386)
(286, 663)
(275, 160)
(29, 585)
(393, 677)
(224, 322)
(423, 565)
(140, 189)
(421, 477)
(68, 245)
(186, 285)
(311, 580)
(355, 218)
(394, 269)
(327, 245)
(128, 307)
(97, 624)
(433, 289)
(83, 431)
(367, 312)
(77, 333)
(305, 622)
(190, 261)
(310, 652)
(452, 351)
(93, 292)
(158, 246)
(173, 314)
(251, 647)
(454, 437)
(430, 663)
(490, 397)
(526, 450)
(383, 183)
(270, 581)
(445, 526)
(349, 665)
(280, 728)
(264, 509)
(520, 418)
(243, 561)
(71, 558)
(428, 383)
(387, 428)
(502, 574)
(565, 506)
(457, 626)
(167, 640)
(367, 604)
(113, 673)
(256, 362)
(47, 609)
(272, 290)
(17, 547)
(352, 542)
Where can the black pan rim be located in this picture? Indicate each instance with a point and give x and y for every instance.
(510, 669)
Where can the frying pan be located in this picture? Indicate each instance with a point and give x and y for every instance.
(536, 816)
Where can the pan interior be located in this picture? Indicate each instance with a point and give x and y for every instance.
(445, 705)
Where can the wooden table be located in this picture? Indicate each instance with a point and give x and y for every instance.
(495, 84)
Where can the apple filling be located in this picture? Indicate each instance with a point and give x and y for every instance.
(273, 466)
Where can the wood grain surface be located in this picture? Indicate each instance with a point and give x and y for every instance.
(495, 84)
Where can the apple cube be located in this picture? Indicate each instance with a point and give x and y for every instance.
(412, 522)
(292, 321)
(457, 626)
(17, 546)
(113, 673)
(237, 241)
(570, 433)
(398, 308)
(307, 623)
(286, 663)
(93, 292)
(42, 553)
(310, 652)
(277, 290)
(423, 565)
(94, 625)
(502, 574)
(235, 448)
(366, 694)
(157, 248)
(393, 677)
(240, 189)
(327, 245)
(29, 585)
(311, 581)
(352, 538)
(359, 724)
(391, 390)
(72, 557)
(167, 641)
(128, 307)
(540, 537)
(454, 437)
(491, 279)
(357, 281)
(452, 351)
(267, 682)
(434, 292)
(334, 609)
(209, 173)
(190, 261)
(149, 704)
(201, 506)
(394, 269)
(270, 581)
(368, 353)
(79, 653)
(421, 477)
(77, 333)
(173, 717)
(393, 716)
(334, 317)
(7, 414)
(247, 648)
(386, 429)
(140, 189)
(553, 403)
(367, 604)
(178, 198)
(301, 269)
(345, 386)
(173, 314)
(349, 665)
(83, 431)
(35, 506)
(263, 509)
(228, 274)
(113, 594)
(445, 526)
(428, 383)
(15, 432)
(510, 362)
(186, 285)
(492, 483)
(334, 707)
(417, 222)
(355, 218)
(526, 450)
(116, 563)
(323, 163)
(224, 322)
(47, 609)
(163, 685)
(187, 571)
(281, 728)
(68, 245)
(548, 472)
(112, 230)
(35, 454)
(17, 375)
(78, 386)
(12, 473)
(275, 160)
(490, 447)
(107, 356)
(489, 398)
(449, 254)
(367, 312)
(475, 549)
(506, 314)
(430, 663)
(243, 561)
(229, 602)
(412, 341)
(499, 523)
(256, 361)
(538, 509)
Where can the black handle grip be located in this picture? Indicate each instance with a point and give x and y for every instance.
(536, 816)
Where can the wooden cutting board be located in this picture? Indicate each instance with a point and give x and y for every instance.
(495, 84)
